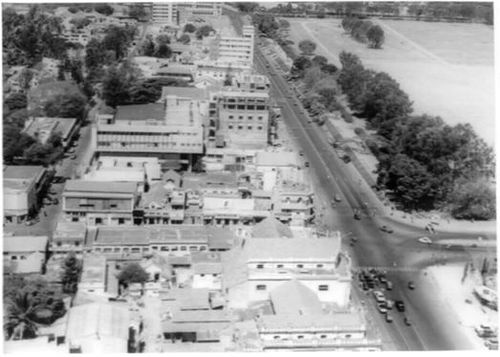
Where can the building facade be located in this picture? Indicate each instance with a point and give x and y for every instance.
(165, 13)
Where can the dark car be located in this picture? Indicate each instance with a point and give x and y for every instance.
(346, 159)
(306, 164)
(365, 286)
(407, 321)
(301, 153)
(411, 285)
(386, 229)
(357, 216)
(400, 305)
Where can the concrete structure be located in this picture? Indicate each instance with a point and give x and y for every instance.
(261, 265)
(238, 50)
(200, 10)
(219, 70)
(42, 128)
(251, 82)
(243, 118)
(23, 191)
(98, 328)
(171, 131)
(277, 167)
(293, 202)
(207, 271)
(24, 254)
(69, 237)
(93, 278)
(228, 159)
(98, 202)
(165, 13)
(177, 71)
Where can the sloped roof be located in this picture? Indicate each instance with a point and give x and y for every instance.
(25, 243)
(156, 193)
(272, 249)
(294, 297)
(271, 227)
(172, 176)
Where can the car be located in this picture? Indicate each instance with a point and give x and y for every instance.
(386, 229)
(400, 305)
(407, 321)
(491, 343)
(55, 201)
(365, 286)
(308, 120)
(306, 164)
(389, 304)
(73, 157)
(29, 223)
(346, 159)
(301, 153)
(388, 318)
(357, 216)
(388, 285)
(411, 285)
(425, 240)
(337, 198)
(382, 309)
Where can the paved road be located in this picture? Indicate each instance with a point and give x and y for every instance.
(398, 251)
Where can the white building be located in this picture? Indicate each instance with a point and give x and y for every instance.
(234, 49)
(261, 265)
(165, 13)
(24, 254)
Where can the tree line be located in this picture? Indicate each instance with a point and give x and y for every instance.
(424, 162)
(364, 31)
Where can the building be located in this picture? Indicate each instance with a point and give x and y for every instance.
(243, 118)
(277, 167)
(207, 271)
(24, 254)
(177, 71)
(250, 82)
(300, 324)
(98, 328)
(139, 241)
(219, 70)
(171, 131)
(23, 190)
(93, 278)
(165, 13)
(42, 128)
(228, 158)
(237, 50)
(99, 202)
(198, 10)
(293, 202)
(69, 237)
(251, 271)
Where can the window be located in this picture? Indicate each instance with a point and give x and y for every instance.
(300, 337)
(279, 266)
(230, 127)
(276, 337)
(14, 257)
(250, 117)
(323, 288)
(231, 117)
(240, 117)
(261, 287)
(322, 336)
(121, 220)
(240, 127)
(183, 248)
(165, 249)
(260, 266)
(319, 265)
(249, 127)
(259, 127)
(300, 265)
(260, 118)
(193, 248)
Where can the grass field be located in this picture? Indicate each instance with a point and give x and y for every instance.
(447, 69)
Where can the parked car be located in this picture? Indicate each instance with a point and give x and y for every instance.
(301, 153)
(337, 198)
(382, 309)
(400, 305)
(388, 285)
(411, 285)
(306, 164)
(407, 321)
(425, 240)
(491, 343)
(389, 304)
(357, 216)
(346, 159)
(388, 318)
(386, 229)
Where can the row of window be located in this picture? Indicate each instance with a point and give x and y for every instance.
(249, 117)
(163, 248)
(244, 107)
(279, 266)
(263, 287)
(138, 144)
(240, 127)
(300, 337)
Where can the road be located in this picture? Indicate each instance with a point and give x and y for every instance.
(399, 253)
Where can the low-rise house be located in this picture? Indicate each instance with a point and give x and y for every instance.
(23, 191)
(258, 266)
(98, 328)
(293, 202)
(24, 254)
(278, 166)
(42, 128)
(161, 205)
(173, 240)
(69, 237)
(98, 202)
(93, 278)
(271, 227)
(207, 271)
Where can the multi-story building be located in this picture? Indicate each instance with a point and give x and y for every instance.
(277, 167)
(24, 254)
(261, 265)
(42, 128)
(293, 202)
(234, 49)
(171, 131)
(243, 118)
(250, 82)
(23, 191)
(165, 13)
(99, 203)
(69, 237)
(189, 10)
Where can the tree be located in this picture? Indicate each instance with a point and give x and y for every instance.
(14, 143)
(375, 36)
(300, 64)
(115, 87)
(246, 6)
(103, 9)
(71, 105)
(319, 61)
(137, 11)
(71, 270)
(307, 47)
(189, 28)
(133, 273)
(185, 39)
(117, 39)
(94, 54)
(312, 76)
(16, 101)
(20, 320)
(148, 47)
(162, 40)
(473, 200)
(163, 51)
(203, 31)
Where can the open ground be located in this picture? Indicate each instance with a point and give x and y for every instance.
(447, 69)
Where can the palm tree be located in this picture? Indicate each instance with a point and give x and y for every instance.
(20, 317)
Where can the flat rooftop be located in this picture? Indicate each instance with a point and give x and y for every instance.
(100, 186)
(140, 112)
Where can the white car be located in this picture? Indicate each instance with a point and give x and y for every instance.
(425, 240)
